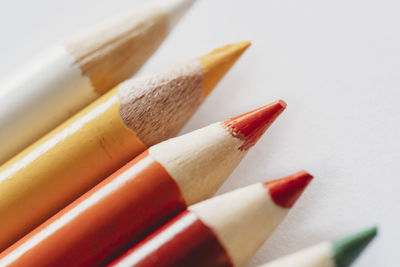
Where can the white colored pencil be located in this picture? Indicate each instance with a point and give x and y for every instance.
(70, 75)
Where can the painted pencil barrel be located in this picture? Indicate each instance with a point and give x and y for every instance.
(89, 146)
(84, 150)
(67, 77)
(39, 97)
(188, 242)
(107, 220)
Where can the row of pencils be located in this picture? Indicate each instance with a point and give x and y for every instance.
(111, 185)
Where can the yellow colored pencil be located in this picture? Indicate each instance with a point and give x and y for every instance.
(88, 147)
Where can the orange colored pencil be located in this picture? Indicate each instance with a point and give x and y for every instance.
(142, 195)
(80, 153)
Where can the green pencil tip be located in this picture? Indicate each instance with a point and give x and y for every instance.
(347, 249)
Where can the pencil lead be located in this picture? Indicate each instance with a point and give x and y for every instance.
(176, 9)
(287, 190)
(347, 249)
(251, 126)
(217, 63)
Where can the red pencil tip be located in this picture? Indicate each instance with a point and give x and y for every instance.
(250, 126)
(287, 190)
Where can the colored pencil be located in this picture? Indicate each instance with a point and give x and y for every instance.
(339, 253)
(70, 75)
(142, 195)
(222, 231)
(100, 139)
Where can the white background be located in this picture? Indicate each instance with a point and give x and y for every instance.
(336, 64)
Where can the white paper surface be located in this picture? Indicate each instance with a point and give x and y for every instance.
(336, 64)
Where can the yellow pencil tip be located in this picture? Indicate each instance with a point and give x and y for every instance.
(218, 62)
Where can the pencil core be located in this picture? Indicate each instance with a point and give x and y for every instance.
(217, 63)
(176, 9)
(251, 126)
(287, 190)
(347, 249)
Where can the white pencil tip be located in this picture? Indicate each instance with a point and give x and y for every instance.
(176, 9)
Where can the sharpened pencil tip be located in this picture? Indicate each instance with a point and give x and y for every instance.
(282, 103)
(217, 63)
(175, 9)
(251, 126)
(347, 249)
(285, 191)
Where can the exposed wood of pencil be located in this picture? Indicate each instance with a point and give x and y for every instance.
(338, 253)
(223, 231)
(87, 148)
(173, 105)
(70, 75)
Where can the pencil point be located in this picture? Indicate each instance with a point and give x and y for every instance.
(347, 249)
(285, 191)
(176, 9)
(251, 126)
(217, 63)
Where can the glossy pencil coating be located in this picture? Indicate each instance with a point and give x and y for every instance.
(103, 221)
(222, 231)
(68, 76)
(339, 253)
(94, 143)
(134, 201)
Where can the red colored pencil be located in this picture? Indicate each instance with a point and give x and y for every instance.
(223, 231)
(143, 195)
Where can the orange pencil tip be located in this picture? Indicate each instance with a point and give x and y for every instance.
(287, 190)
(251, 126)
